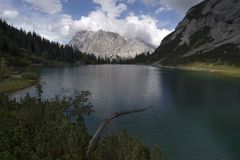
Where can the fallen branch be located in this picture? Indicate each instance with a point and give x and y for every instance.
(104, 124)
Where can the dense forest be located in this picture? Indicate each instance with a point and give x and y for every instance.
(20, 48)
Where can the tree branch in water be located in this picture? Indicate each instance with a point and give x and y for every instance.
(104, 124)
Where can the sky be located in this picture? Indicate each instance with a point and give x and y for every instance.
(59, 20)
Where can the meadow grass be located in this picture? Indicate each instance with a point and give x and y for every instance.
(222, 69)
(16, 80)
(11, 85)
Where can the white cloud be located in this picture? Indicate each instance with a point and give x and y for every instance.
(106, 18)
(151, 2)
(180, 6)
(65, 25)
(131, 1)
(161, 9)
(46, 6)
(110, 7)
(9, 13)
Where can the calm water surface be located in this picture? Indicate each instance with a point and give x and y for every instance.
(194, 116)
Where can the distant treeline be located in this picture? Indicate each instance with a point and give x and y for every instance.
(141, 58)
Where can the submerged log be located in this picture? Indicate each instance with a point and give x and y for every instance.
(104, 124)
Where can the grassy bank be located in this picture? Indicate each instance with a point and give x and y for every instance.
(14, 85)
(221, 69)
(13, 80)
(18, 73)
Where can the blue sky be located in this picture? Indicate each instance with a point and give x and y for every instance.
(59, 20)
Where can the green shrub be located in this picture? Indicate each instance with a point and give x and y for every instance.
(32, 129)
(124, 147)
(36, 129)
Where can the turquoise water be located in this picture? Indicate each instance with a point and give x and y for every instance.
(193, 115)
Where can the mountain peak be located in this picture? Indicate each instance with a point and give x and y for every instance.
(109, 44)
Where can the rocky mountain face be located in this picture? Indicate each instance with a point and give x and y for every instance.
(210, 32)
(109, 44)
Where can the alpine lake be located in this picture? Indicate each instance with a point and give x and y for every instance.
(193, 115)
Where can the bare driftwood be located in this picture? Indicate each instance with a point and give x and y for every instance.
(104, 124)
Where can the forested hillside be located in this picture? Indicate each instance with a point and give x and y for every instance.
(20, 48)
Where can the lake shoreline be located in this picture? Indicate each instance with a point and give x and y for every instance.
(14, 85)
(223, 70)
(18, 81)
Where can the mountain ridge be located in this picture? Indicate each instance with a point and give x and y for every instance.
(210, 32)
(109, 44)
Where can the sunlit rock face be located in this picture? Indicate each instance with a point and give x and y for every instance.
(109, 44)
(209, 32)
